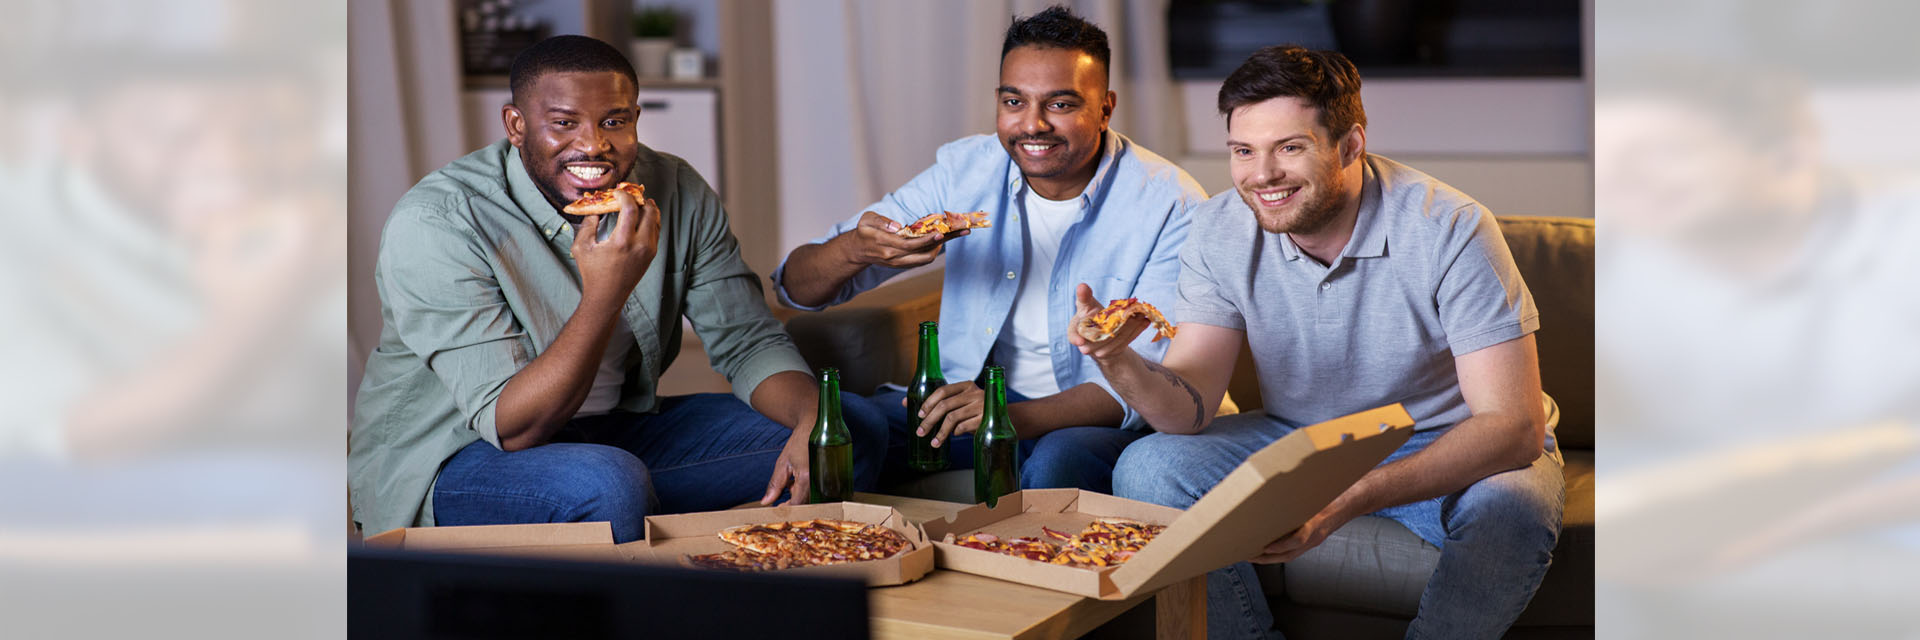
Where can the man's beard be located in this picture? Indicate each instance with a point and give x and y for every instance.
(1310, 216)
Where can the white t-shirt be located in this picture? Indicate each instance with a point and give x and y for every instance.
(612, 374)
(1023, 348)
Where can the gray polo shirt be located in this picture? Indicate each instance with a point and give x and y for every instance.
(1426, 277)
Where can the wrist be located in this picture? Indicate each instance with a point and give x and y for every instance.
(846, 248)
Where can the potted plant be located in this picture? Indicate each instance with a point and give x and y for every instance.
(653, 32)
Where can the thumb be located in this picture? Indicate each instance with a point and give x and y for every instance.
(778, 482)
(589, 229)
(1084, 298)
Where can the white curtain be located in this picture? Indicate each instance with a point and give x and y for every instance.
(868, 89)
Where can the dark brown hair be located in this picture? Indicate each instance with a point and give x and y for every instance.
(1324, 79)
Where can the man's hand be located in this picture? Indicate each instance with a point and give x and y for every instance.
(790, 470)
(877, 241)
(952, 410)
(1105, 351)
(609, 270)
(1308, 536)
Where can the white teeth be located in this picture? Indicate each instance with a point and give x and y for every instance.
(587, 173)
(1276, 196)
(1036, 147)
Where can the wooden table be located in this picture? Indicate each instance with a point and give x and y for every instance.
(954, 605)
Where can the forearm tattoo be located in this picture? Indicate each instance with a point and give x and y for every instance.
(1199, 407)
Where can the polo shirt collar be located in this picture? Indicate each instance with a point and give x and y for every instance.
(1110, 147)
(1369, 238)
(521, 188)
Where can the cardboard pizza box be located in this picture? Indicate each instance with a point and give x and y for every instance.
(1276, 490)
(563, 540)
(671, 538)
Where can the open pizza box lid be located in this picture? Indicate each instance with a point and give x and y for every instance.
(564, 540)
(1276, 490)
(670, 539)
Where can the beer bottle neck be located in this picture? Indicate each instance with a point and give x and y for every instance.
(930, 352)
(829, 399)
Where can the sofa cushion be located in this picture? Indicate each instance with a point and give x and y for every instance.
(1555, 257)
(1374, 565)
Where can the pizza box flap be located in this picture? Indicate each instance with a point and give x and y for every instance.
(1025, 513)
(498, 536)
(1275, 491)
(671, 538)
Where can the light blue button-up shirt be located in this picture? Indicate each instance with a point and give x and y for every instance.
(1124, 244)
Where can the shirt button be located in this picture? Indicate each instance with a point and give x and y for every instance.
(1011, 275)
(1325, 286)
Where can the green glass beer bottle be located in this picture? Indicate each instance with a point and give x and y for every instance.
(921, 454)
(830, 446)
(996, 469)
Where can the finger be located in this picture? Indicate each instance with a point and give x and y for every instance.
(628, 221)
(879, 222)
(589, 228)
(778, 482)
(800, 492)
(969, 425)
(931, 414)
(963, 408)
(649, 224)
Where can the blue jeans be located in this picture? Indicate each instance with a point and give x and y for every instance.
(1495, 537)
(700, 452)
(1070, 458)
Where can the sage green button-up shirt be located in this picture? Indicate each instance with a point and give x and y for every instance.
(476, 279)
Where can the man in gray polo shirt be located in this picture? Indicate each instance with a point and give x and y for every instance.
(1358, 282)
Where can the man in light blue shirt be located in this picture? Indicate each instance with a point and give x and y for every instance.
(1069, 201)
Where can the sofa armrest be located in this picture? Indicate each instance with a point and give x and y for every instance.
(872, 338)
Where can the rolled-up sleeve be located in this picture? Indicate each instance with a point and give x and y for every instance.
(725, 304)
(923, 195)
(447, 308)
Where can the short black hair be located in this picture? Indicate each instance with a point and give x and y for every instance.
(1324, 79)
(565, 54)
(1058, 28)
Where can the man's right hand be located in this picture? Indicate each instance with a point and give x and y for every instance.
(877, 241)
(1104, 352)
(610, 269)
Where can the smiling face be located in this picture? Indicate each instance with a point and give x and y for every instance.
(575, 132)
(1296, 176)
(1053, 111)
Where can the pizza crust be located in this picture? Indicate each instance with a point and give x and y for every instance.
(600, 202)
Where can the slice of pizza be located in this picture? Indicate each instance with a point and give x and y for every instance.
(1102, 324)
(594, 203)
(946, 222)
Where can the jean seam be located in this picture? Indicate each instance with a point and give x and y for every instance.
(503, 494)
(714, 460)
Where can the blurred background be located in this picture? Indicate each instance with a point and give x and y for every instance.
(802, 112)
(172, 182)
(1758, 318)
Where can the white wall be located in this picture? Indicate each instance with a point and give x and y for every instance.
(1519, 146)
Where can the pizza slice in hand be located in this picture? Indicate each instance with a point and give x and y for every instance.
(946, 222)
(598, 202)
(1102, 324)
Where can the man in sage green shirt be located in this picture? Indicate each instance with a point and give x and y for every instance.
(515, 379)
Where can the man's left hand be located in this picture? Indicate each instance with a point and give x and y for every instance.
(952, 410)
(790, 470)
(1308, 536)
